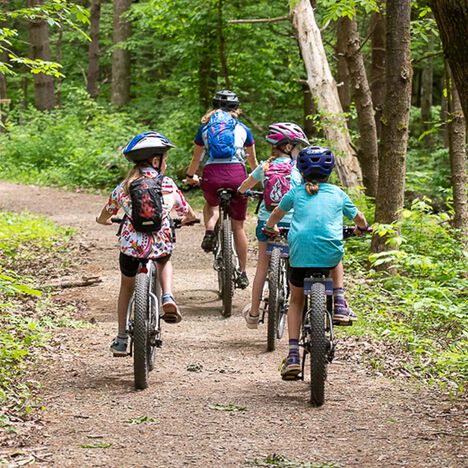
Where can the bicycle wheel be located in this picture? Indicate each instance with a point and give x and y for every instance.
(274, 300)
(154, 320)
(227, 270)
(141, 344)
(318, 344)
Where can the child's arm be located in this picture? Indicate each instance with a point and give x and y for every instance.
(275, 217)
(361, 224)
(182, 207)
(104, 217)
(248, 183)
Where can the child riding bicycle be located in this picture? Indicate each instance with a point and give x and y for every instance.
(148, 151)
(315, 239)
(277, 175)
(227, 143)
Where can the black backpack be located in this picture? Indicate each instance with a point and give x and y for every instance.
(147, 204)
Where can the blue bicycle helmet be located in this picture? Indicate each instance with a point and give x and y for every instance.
(146, 145)
(315, 160)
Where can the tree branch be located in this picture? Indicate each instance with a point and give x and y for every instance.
(259, 20)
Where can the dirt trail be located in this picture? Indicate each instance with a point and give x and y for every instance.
(367, 421)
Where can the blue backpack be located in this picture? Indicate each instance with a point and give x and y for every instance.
(220, 135)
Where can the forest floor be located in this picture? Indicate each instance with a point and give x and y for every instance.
(207, 363)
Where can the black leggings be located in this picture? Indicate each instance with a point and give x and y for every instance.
(129, 265)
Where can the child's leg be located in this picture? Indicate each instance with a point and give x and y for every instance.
(251, 313)
(291, 367)
(127, 284)
(165, 274)
(342, 313)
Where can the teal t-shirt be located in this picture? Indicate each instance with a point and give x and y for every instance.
(259, 175)
(316, 235)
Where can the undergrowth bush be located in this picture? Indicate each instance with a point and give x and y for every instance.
(26, 316)
(423, 306)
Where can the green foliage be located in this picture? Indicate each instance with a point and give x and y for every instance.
(24, 325)
(82, 150)
(423, 306)
(57, 13)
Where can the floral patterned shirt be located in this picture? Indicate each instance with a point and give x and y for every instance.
(154, 244)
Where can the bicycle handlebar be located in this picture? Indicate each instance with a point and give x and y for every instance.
(253, 194)
(177, 222)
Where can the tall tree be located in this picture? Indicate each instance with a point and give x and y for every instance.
(323, 88)
(44, 95)
(377, 65)
(120, 55)
(395, 117)
(342, 72)
(457, 151)
(368, 148)
(426, 89)
(222, 45)
(452, 20)
(93, 49)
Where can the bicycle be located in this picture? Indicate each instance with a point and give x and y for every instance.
(317, 337)
(276, 291)
(143, 323)
(226, 262)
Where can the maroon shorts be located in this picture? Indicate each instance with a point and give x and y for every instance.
(231, 176)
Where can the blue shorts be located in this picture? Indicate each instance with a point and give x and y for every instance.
(261, 236)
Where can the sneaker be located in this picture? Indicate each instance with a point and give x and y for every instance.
(208, 241)
(290, 368)
(242, 280)
(251, 320)
(343, 315)
(171, 310)
(119, 347)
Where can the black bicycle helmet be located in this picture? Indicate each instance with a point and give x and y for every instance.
(226, 100)
(146, 145)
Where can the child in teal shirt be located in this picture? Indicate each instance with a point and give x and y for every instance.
(315, 240)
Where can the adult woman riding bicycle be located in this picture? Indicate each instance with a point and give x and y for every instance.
(227, 143)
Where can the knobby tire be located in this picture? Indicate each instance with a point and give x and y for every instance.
(155, 317)
(318, 344)
(227, 269)
(274, 285)
(141, 345)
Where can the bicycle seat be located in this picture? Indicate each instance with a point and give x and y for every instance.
(227, 190)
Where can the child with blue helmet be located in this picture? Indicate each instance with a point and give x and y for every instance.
(148, 152)
(315, 240)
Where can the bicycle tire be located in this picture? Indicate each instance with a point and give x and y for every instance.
(141, 345)
(227, 268)
(274, 303)
(318, 344)
(156, 289)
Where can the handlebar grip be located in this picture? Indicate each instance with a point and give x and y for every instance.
(116, 220)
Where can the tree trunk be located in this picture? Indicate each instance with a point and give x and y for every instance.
(309, 110)
(93, 50)
(342, 72)
(395, 117)
(222, 46)
(368, 147)
(426, 92)
(323, 88)
(452, 20)
(377, 67)
(120, 56)
(457, 150)
(40, 49)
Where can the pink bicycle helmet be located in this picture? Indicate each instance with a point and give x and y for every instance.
(286, 132)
